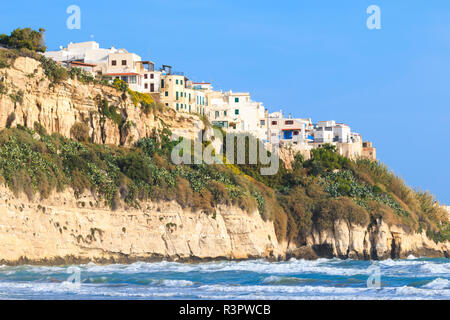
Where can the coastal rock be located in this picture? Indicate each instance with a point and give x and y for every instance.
(63, 229)
(57, 107)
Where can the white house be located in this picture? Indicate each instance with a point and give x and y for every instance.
(84, 52)
(288, 131)
(236, 112)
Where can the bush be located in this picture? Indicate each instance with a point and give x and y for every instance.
(54, 72)
(17, 97)
(80, 132)
(7, 57)
(326, 159)
(25, 38)
(329, 210)
(39, 128)
(10, 120)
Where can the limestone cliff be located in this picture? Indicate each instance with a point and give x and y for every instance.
(379, 241)
(63, 229)
(66, 229)
(58, 107)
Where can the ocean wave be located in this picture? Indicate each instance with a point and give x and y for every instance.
(325, 266)
(283, 280)
(436, 268)
(422, 292)
(174, 283)
(438, 283)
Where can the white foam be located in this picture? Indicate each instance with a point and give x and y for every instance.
(438, 283)
(282, 280)
(436, 268)
(176, 283)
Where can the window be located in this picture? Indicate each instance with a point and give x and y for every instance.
(167, 93)
(181, 81)
(133, 79)
(152, 87)
(217, 114)
(295, 133)
(145, 76)
(177, 95)
(236, 112)
(287, 135)
(162, 83)
(114, 63)
(236, 100)
(263, 122)
(176, 81)
(146, 86)
(274, 123)
(152, 76)
(167, 104)
(124, 62)
(289, 122)
(225, 113)
(178, 106)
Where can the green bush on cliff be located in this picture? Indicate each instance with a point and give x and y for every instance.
(41, 163)
(295, 200)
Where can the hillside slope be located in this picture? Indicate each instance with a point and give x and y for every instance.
(87, 177)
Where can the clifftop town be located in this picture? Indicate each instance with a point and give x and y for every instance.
(86, 175)
(235, 112)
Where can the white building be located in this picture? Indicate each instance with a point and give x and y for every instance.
(114, 63)
(330, 131)
(288, 131)
(84, 52)
(236, 112)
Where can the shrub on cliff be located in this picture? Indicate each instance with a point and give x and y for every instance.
(80, 132)
(54, 72)
(326, 159)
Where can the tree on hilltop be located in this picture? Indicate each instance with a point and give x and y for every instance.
(25, 38)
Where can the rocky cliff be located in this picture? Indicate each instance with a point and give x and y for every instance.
(58, 107)
(68, 229)
(64, 229)
(378, 241)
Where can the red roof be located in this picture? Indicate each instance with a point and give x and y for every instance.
(77, 63)
(124, 74)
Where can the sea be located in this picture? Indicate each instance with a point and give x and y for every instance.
(412, 278)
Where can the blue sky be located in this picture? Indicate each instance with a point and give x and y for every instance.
(312, 58)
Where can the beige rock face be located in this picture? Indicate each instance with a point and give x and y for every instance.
(63, 229)
(375, 242)
(58, 108)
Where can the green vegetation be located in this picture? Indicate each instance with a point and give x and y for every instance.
(25, 39)
(41, 163)
(139, 99)
(329, 187)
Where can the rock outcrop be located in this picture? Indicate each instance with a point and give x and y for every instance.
(379, 241)
(63, 230)
(58, 107)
